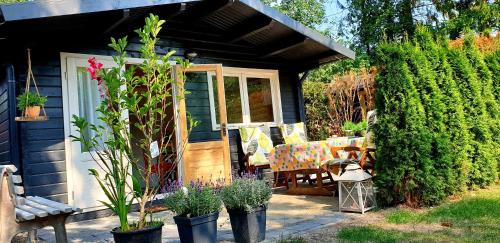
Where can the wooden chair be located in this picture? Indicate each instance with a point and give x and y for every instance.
(27, 214)
(256, 143)
(337, 164)
(367, 160)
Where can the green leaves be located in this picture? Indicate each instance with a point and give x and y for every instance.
(246, 193)
(144, 92)
(434, 130)
(27, 99)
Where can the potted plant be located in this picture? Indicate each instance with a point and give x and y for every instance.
(246, 200)
(30, 104)
(197, 208)
(114, 146)
(354, 129)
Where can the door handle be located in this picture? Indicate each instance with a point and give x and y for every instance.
(223, 127)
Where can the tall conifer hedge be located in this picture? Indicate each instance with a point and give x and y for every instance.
(404, 173)
(454, 119)
(483, 170)
(435, 121)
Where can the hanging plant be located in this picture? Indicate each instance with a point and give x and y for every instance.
(30, 104)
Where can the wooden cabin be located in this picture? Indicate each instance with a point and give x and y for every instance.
(260, 53)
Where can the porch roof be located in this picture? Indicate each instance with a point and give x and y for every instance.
(224, 29)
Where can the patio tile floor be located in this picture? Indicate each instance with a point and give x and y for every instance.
(287, 214)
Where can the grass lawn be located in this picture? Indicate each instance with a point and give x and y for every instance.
(474, 217)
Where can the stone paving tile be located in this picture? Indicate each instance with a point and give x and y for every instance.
(286, 215)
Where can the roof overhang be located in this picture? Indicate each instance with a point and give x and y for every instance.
(225, 29)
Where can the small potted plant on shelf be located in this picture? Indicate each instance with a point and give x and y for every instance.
(246, 200)
(197, 208)
(30, 104)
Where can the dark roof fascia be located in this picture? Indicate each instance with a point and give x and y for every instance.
(297, 26)
(53, 8)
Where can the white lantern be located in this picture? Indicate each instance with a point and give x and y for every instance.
(356, 193)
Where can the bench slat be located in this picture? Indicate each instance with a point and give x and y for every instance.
(50, 210)
(17, 179)
(11, 168)
(19, 190)
(63, 207)
(35, 211)
(24, 215)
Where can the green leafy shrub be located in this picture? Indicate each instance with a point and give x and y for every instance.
(246, 193)
(485, 79)
(453, 114)
(194, 200)
(493, 62)
(431, 98)
(483, 169)
(355, 128)
(402, 138)
(28, 99)
(318, 122)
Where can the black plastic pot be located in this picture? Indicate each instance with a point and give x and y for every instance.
(201, 229)
(248, 227)
(146, 235)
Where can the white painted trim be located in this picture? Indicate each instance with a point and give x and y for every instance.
(67, 139)
(242, 74)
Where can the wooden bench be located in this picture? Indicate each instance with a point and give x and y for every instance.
(27, 214)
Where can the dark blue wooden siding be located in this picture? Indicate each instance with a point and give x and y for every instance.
(43, 151)
(9, 149)
(4, 121)
(42, 146)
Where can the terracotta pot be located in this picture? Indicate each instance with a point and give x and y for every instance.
(32, 111)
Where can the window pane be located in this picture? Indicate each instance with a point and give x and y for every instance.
(88, 100)
(260, 99)
(198, 106)
(233, 99)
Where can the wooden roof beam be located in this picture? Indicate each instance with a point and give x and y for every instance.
(284, 45)
(248, 27)
(206, 9)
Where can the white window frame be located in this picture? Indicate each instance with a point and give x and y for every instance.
(243, 74)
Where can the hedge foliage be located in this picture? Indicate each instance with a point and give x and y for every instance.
(318, 122)
(437, 116)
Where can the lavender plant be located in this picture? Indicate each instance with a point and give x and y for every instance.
(246, 193)
(194, 200)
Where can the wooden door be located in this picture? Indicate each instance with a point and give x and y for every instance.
(82, 97)
(206, 153)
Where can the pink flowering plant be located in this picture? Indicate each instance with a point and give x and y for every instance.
(147, 98)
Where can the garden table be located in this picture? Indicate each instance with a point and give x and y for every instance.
(314, 158)
(304, 158)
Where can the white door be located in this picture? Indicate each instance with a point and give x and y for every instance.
(81, 97)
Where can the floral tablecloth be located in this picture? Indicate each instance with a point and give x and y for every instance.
(309, 155)
(289, 157)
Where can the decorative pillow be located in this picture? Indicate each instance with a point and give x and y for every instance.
(372, 119)
(257, 141)
(293, 133)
